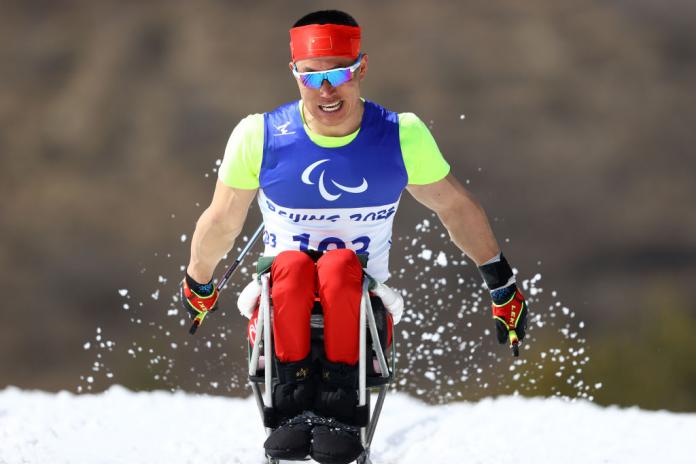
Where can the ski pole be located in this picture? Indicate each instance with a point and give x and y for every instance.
(228, 273)
(240, 258)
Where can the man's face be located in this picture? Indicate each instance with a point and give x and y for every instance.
(331, 106)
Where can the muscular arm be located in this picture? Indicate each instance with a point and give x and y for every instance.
(462, 216)
(217, 229)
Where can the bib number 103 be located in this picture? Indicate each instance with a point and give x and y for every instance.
(332, 243)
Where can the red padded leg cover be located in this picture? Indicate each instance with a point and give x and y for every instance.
(293, 286)
(340, 286)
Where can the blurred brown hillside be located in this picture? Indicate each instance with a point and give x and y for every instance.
(577, 135)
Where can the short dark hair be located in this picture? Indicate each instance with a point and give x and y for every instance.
(327, 17)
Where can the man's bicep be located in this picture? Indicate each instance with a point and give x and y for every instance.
(230, 205)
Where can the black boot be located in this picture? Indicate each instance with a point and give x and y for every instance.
(337, 392)
(291, 396)
(291, 441)
(296, 388)
(338, 440)
(336, 444)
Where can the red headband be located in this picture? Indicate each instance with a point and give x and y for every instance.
(320, 40)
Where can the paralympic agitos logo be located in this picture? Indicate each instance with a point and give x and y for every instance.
(325, 194)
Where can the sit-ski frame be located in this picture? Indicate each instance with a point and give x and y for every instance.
(367, 321)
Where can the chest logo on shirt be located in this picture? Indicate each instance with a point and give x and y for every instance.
(283, 129)
(325, 194)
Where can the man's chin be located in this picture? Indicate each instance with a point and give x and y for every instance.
(332, 119)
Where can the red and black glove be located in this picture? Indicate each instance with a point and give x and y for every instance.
(509, 306)
(198, 300)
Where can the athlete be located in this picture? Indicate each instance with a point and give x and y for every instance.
(328, 171)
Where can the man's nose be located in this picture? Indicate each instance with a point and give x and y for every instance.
(326, 89)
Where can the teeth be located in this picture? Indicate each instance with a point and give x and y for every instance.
(331, 107)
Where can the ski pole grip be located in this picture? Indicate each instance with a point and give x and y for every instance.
(514, 343)
(196, 323)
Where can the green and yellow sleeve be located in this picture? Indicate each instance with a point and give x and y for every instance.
(241, 164)
(422, 157)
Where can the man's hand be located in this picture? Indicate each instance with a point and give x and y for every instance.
(198, 300)
(510, 314)
(509, 307)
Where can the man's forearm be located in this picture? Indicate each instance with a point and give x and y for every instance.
(211, 240)
(462, 216)
(469, 229)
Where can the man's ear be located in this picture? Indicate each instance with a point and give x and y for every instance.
(363, 67)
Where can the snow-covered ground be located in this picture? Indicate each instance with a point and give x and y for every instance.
(120, 426)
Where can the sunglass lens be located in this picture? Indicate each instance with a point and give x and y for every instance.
(335, 77)
(339, 77)
(312, 80)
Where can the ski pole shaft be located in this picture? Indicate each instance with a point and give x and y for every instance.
(240, 258)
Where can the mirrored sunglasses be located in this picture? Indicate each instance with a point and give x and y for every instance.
(336, 77)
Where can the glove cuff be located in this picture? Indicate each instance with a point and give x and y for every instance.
(202, 290)
(503, 295)
(497, 275)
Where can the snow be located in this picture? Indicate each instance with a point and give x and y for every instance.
(120, 426)
(441, 259)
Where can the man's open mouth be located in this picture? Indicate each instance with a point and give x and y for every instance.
(332, 107)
